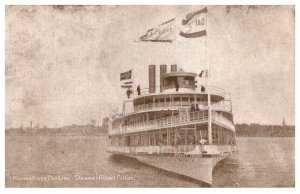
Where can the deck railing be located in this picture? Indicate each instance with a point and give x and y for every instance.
(164, 122)
(222, 120)
(164, 149)
(221, 106)
(173, 121)
(213, 90)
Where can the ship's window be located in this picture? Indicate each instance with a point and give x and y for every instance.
(164, 138)
(156, 100)
(167, 99)
(151, 116)
(181, 137)
(149, 101)
(185, 99)
(162, 100)
(198, 99)
(170, 80)
(188, 80)
(172, 137)
(152, 139)
(190, 137)
(156, 139)
(177, 99)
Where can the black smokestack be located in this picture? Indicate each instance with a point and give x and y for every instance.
(174, 68)
(152, 78)
(163, 69)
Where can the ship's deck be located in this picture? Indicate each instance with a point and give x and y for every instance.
(173, 121)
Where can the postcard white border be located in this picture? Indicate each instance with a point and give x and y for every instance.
(139, 190)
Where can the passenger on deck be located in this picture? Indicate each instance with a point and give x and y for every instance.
(202, 141)
(202, 88)
(176, 85)
(192, 108)
(128, 92)
(138, 90)
(197, 107)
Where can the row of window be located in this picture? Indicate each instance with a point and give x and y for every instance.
(180, 80)
(175, 136)
(191, 99)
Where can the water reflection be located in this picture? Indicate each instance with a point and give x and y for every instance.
(225, 173)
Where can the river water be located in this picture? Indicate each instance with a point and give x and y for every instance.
(82, 161)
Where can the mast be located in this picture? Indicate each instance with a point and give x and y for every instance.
(208, 89)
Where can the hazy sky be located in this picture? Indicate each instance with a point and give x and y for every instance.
(63, 63)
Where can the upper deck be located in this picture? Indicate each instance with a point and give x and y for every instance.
(177, 89)
(216, 93)
(171, 99)
(178, 94)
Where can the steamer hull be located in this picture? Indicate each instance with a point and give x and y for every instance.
(193, 164)
(198, 168)
(184, 128)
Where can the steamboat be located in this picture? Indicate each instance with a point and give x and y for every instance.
(178, 126)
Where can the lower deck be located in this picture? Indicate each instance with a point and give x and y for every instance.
(180, 150)
(175, 140)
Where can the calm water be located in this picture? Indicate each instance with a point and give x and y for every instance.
(74, 161)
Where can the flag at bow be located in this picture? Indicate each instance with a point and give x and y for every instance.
(126, 79)
(195, 24)
(126, 75)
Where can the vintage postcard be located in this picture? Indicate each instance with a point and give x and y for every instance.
(150, 96)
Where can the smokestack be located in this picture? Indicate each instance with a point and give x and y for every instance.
(152, 78)
(174, 68)
(163, 69)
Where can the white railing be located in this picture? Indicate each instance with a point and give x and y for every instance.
(221, 106)
(173, 121)
(222, 120)
(213, 90)
(164, 122)
(165, 149)
(167, 121)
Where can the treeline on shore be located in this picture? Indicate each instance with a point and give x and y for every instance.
(257, 130)
(242, 130)
(67, 130)
(89, 129)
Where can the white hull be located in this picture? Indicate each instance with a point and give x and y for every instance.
(199, 168)
(183, 129)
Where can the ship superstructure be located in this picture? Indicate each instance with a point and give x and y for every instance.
(173, 126)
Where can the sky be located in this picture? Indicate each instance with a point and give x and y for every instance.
(62, 63)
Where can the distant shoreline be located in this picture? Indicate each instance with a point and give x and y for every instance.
(242, 130)
(257, 130)
(73, 130)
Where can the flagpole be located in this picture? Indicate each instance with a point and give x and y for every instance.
(207, 87)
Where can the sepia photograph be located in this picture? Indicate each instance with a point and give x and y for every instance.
(149, 96)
